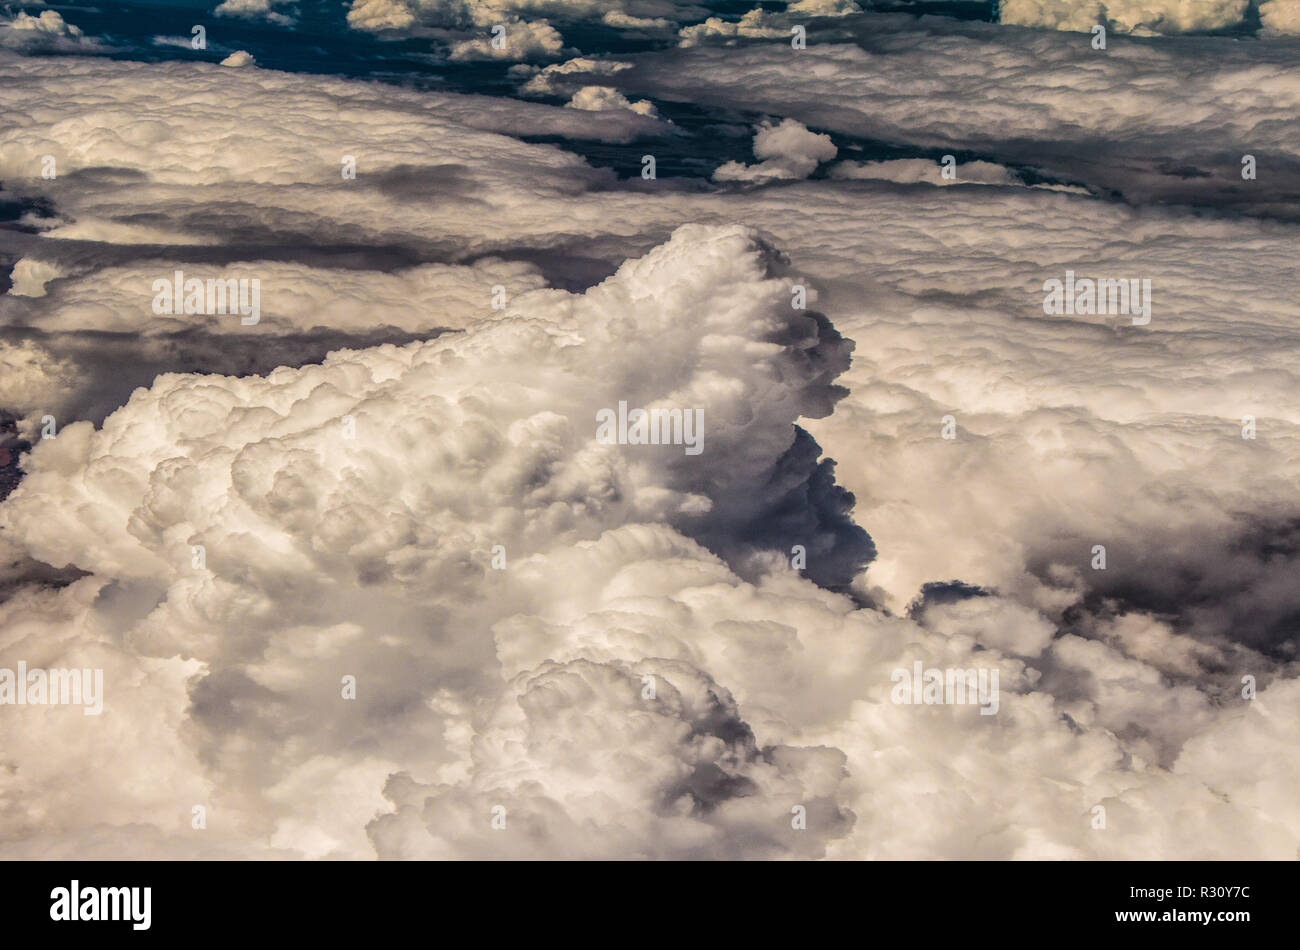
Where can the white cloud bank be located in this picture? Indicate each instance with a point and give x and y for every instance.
(379, 16)
(1151, 120)
(328, 556)
(364, 548)
(1148, 17)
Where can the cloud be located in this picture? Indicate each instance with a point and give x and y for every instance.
(606, 98)
(412, 16)
(542, 80)
(239, 58)
(1166, 121)
(579, 765)
(522, 39)
(756, 24)
(788, 150)
(44, 33)
(1142, 17)
(1280, 17)
(380, 119)
(914, 170)
(600, 591)
(326, 555)
(378, 15)
(257, 10)
(920, 170)
(823, 7)
(30, 277)
(304, 312)
(623, 21)
(384, 563)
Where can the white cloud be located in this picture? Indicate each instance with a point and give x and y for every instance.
(255, 450)
(823, 7)
(239, 58)
(370, 556)
(788, 150)
(756, 24)
(1170, 117)
(257, 10)
(49, 21)
(34, 379)
(414, 15)
(1143, 17)
(623, 21)
(521, 39)
(606, 98)
(378, 15)
(549, 80)
(1280, 17)
(921, 170)
(44, 33)
(914, 170)
(30, 276)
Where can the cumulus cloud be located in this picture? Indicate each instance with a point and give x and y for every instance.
(239, 58)
(44, 33)
(678, 777)
(378, 15)
(788, 150)
(529, 437)
(29, 277)
(521, 39)
(548, 80)
(823, 7)
(35, 380)
(1166, 423)
(258, 10)
(606, 98)
(756, 24)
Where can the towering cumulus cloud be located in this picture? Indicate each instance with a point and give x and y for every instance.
(342, 520)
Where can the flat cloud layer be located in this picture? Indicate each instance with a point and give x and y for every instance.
(404, 15)
(1147, 17)
(618, 644)
(1152, 119)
